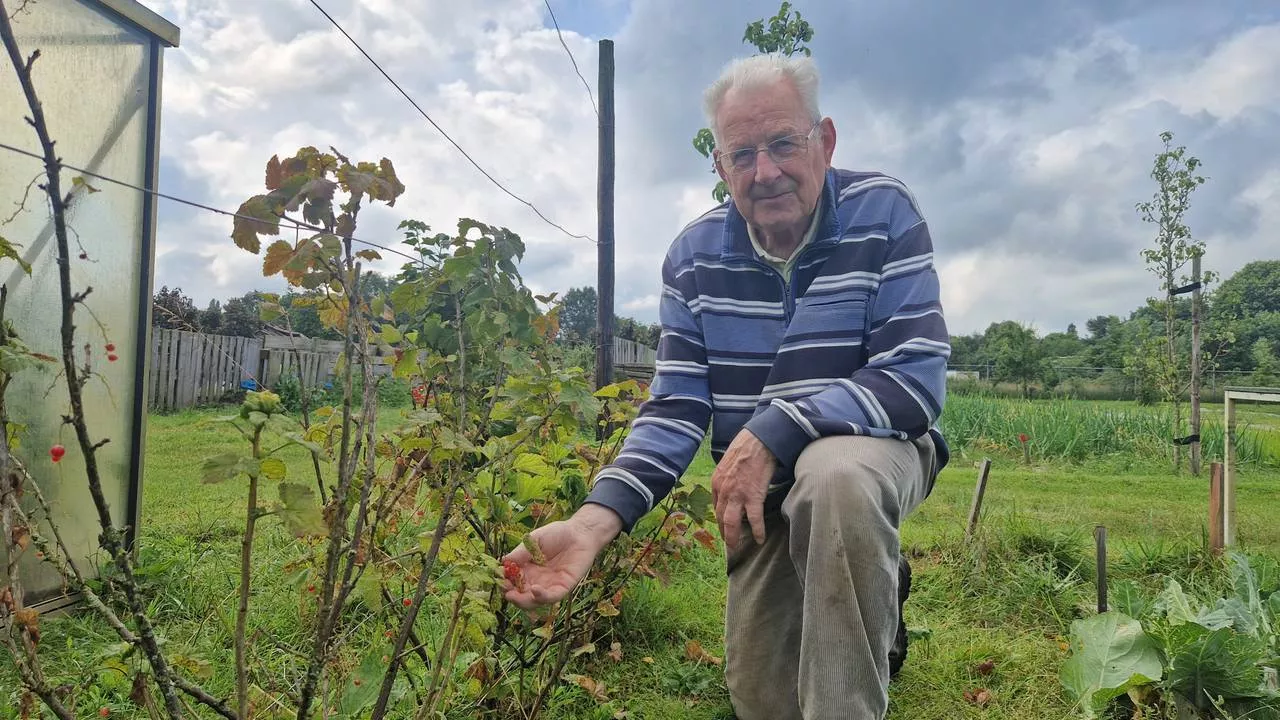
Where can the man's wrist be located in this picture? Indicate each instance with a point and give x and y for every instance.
(598, 522)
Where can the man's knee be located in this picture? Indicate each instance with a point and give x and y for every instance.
(861, 476)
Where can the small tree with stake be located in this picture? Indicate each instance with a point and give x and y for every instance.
(1176, 176)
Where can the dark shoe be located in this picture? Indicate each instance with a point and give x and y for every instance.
(898, 653)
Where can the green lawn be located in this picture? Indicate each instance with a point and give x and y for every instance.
(1009, 596)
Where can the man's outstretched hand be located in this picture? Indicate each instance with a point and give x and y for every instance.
(739, 486)
(570, 547)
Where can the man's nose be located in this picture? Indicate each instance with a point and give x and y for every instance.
(766, 169)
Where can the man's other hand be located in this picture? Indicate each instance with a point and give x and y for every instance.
(739, 485)
(570, 547)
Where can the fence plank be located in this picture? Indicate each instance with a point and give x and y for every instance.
(170, 362)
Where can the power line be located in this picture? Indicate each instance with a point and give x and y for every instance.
(572, 59)
(286, 223)
(424, 114)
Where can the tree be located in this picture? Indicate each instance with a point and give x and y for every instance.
(1243, 309)
(578, 315)
(1018, 355)
(785, 34)
(1063, 344)
(172, 310)
(1266, 363)
(240, 315)
(1176, 178)
(211, 318)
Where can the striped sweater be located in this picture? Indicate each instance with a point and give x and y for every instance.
(854, 343)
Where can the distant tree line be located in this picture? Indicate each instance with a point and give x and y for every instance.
(1241, 333)
(1241, 330)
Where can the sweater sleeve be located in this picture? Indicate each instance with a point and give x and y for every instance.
(900, 390)
(670, 426)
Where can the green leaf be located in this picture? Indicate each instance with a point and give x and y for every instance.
(299, 510)
(273, 468)
(1126, 597)
(1245, 584)
(1110, 655)
(1204, 663)
(698, 503)
(269, 312)
(390, 334)
(9, 250)
(225, 466)
(1231, 613)
(254, 217)
(1176, 604)
(297, 439)
(361, 688)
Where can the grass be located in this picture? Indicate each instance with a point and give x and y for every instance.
(1008, 597)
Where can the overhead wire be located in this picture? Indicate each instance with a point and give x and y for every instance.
(286, 223)
(441, 130)
(572, 59)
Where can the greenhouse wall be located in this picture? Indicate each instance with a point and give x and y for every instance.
(98, 79)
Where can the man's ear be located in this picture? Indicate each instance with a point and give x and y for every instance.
(715, 163)
(828, 138)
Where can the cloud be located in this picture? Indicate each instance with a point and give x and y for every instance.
(1026, 130)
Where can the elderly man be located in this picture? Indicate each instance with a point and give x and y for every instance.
(802, 321)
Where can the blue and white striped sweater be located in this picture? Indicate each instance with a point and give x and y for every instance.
(855, 343)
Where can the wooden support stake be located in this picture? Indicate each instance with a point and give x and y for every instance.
(1215, 509)
(978, 492)
(1100, 537)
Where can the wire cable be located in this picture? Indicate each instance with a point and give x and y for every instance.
(572, 59)
(439, 129)
(286, 223)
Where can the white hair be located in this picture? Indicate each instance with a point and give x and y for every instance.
(762, 71)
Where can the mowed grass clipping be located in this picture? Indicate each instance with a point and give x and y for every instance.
(1007, 597)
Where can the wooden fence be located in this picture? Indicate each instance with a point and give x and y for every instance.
(189, 369)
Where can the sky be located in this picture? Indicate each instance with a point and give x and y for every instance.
(1025, 130)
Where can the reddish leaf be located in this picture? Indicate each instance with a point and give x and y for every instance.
(594, 687)
(705, 538)
(20, 537)
(978, 696)
(278, 254)
(985, 667)
(615, 652)
(275, 173)
(695, 652)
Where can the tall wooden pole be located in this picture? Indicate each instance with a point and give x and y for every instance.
(1195, 366)
(604, 232)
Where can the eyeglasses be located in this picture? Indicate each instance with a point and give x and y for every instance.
(781, 151)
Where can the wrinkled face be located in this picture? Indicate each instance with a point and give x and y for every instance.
(783, 187)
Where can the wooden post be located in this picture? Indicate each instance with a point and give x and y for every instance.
(1195, 366)
(604, 230)
(1229, 471)
(978, 492)
(1215, 508)
(1100, 538)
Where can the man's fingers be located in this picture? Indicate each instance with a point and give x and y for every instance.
(731, 524)
(520, 556)
(755, 517)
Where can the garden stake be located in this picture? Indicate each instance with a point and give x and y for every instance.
(1216, 536)
(978, 492)
(1100, 535)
